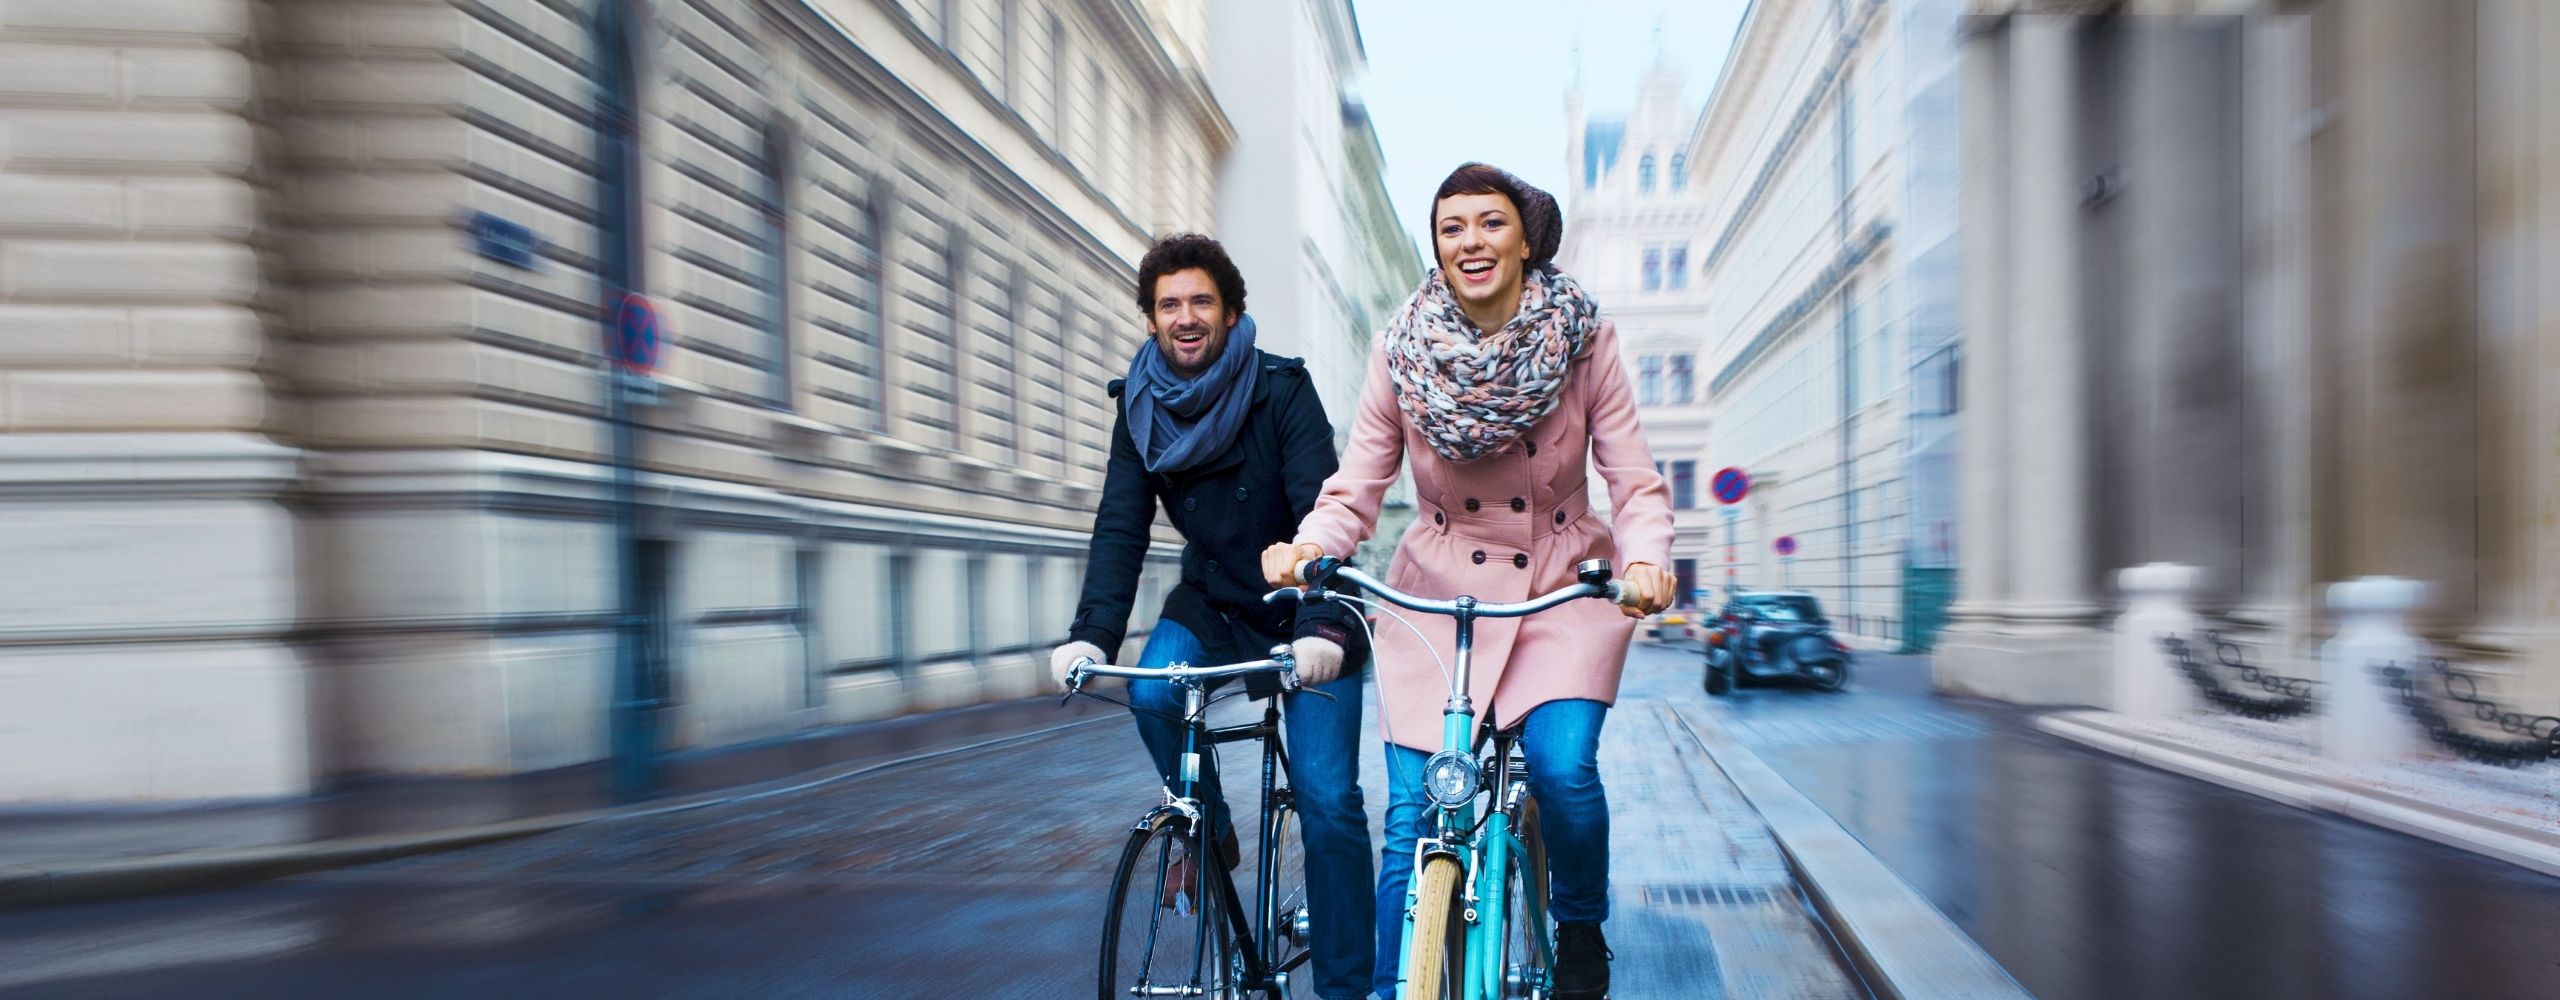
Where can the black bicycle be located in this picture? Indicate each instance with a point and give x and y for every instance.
(1164, 938)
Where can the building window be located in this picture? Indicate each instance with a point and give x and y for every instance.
(1679, 171)
(617, 157)
(1684, 485)
(773, 215)
(1649, 379)
(1678, 269)
(1685, 573)
(1644, 174)
(1653, 269)
(1681, 380)
(1059, 132)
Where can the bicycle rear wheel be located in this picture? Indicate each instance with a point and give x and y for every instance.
(1147, 945)
(1435, 965)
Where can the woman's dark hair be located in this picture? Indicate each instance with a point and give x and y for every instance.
(1183, 251)
(1540, 220)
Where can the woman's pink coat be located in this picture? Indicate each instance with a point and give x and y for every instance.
(1531, 521)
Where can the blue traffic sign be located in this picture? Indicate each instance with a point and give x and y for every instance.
(1731, 485)
(637, 339)
(1786, 545)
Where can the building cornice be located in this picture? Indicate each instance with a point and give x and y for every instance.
(1128, 28)
(1778, 326)
(831, 48)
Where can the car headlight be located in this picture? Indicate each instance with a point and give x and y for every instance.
(1451, 778)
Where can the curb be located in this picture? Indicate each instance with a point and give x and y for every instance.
(24, 886)
(2516, 845)
(1901, 945)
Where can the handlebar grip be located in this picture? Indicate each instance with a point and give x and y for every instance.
(1624, 596)
(1314, 572)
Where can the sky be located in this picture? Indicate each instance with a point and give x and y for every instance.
(1486, 80)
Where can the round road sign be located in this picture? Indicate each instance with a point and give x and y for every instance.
(637, 339)
(1786, 545)
(1731, 485)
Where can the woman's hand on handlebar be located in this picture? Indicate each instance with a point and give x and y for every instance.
(1280, 562)
(1652, 585)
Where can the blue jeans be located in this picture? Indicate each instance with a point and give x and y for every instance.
(1324, 770)
(1561, 739)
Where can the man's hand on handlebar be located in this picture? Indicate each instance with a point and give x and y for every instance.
(1653, 589)
(1280, 562)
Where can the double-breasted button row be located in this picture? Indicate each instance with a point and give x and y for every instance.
(1517, 505)
(1193, 503)
(1518, 559)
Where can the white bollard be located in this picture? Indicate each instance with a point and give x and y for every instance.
(2146, 682)
(2361, 720)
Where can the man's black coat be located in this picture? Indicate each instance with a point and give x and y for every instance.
(1228, 510)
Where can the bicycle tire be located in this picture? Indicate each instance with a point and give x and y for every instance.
(1525, 924)
(1289, 888)
(1167, 948)
(1435, 963)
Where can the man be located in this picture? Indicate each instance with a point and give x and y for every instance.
(1235, 445)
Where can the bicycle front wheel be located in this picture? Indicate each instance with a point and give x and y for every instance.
(1524, 958)
(1159, 932)
(1294, 930)
(1435, 966)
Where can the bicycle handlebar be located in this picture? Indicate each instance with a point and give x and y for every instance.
(1281, 662)
(1595, 582)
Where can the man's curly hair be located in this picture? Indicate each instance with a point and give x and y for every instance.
(1182, 251)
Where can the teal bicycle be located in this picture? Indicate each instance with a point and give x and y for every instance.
(1476, 915)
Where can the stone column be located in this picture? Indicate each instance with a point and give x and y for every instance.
(2284, 322)
(1982, 575)
(2046, 405)
(2410, 375)
(2519, 231)
(2183, 310)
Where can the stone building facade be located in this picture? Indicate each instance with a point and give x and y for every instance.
(1784, 265)
(302, 303)
(2264, 288)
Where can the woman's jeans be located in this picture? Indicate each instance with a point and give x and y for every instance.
(1324, 771)
(1561, 739)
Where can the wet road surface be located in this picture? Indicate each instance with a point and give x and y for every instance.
(2094, 878)
(973, 875)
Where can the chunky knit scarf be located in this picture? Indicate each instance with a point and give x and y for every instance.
(1470, 394)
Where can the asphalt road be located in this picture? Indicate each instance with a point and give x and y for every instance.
(973, 875)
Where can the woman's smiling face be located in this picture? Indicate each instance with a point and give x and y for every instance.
(1483, 250)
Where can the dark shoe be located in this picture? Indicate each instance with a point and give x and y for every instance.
(1582, 962)
(1178, 879)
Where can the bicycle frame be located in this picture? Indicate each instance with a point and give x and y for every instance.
(1257, 939)
(1483, 850)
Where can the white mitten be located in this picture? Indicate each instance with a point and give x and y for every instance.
(1319, 660)
(1063, 659)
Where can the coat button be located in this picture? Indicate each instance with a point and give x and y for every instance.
(1518, 505)
(1533, 449)
(1520, 560)
(1479, 557)
(1473, 506)
(1559, 517)
(1240, 494)
(1191, 503)
(1439, 518)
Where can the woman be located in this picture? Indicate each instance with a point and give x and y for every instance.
(1497, 379)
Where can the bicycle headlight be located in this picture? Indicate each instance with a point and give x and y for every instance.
(1451, 778)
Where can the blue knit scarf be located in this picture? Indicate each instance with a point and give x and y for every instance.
(1179, 423)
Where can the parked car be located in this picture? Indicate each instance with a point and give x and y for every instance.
(1773, 636)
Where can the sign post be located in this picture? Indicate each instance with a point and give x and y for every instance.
(634, 344)
(1730, 485)
(1786, 546)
